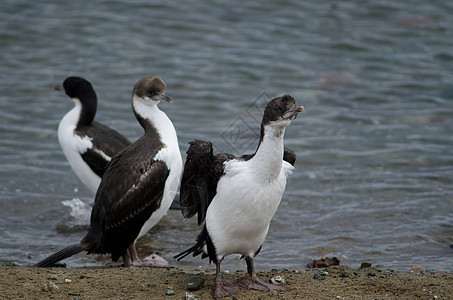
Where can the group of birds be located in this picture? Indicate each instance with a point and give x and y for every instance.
(135, 183)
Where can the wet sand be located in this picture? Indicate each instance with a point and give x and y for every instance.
(339, 282)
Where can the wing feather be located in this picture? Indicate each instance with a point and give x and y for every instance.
(106, 143)
(202, 171)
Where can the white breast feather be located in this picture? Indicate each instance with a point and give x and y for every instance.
(238, 218)
(73, 146)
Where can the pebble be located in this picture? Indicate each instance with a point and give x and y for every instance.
(344, 274)
(278, 280)
(371, 274)
(170, 292)
(190, 296)
(194, 283)
(319, 276)
(50, 287)
(365, 265)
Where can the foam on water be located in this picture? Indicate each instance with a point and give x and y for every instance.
(80, 211)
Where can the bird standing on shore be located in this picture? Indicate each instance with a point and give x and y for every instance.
(88, 145)
(236, 198)
(138, 186)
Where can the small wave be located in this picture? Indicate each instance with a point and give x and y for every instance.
(80, 211)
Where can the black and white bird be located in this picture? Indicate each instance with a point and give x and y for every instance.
(88, 145)
(236, 198)
(138, 186)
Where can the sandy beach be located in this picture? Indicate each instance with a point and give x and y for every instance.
(339, 282)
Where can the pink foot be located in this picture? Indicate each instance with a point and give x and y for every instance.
(154, 260)
(224, 288)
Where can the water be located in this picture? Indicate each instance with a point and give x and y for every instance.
(374, 175)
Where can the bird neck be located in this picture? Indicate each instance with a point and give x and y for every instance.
(87, 109)
(153, 120)
(269, 155)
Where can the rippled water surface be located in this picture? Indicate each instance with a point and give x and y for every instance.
(374, 175)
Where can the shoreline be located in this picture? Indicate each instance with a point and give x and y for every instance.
(338, 282)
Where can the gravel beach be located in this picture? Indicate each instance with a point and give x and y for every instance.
(339, 282)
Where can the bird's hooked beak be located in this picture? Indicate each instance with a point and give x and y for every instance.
(291, 114)
(163, 97)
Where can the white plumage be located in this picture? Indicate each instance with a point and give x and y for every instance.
(258, 184)
(74, 145)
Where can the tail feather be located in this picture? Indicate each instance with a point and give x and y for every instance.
(60, 255)
(196, 249)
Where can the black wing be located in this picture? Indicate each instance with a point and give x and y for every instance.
(129, 193)
(105, 140)
(289, 156)
(202, 171)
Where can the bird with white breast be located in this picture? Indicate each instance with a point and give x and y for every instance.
(236, 198)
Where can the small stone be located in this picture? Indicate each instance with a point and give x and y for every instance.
(190, 296)
(194, 283)
(316, 276)
(50, 287)
(371, 274)
(344, 274)
(365, 265)
(170, 292)
(324, 262)
(278, 280)
(74, 294)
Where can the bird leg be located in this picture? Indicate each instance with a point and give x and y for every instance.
(222, 287)
(130, 257)
(253, 282)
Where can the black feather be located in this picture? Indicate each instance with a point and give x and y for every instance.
(60, 255)
(202, 172)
